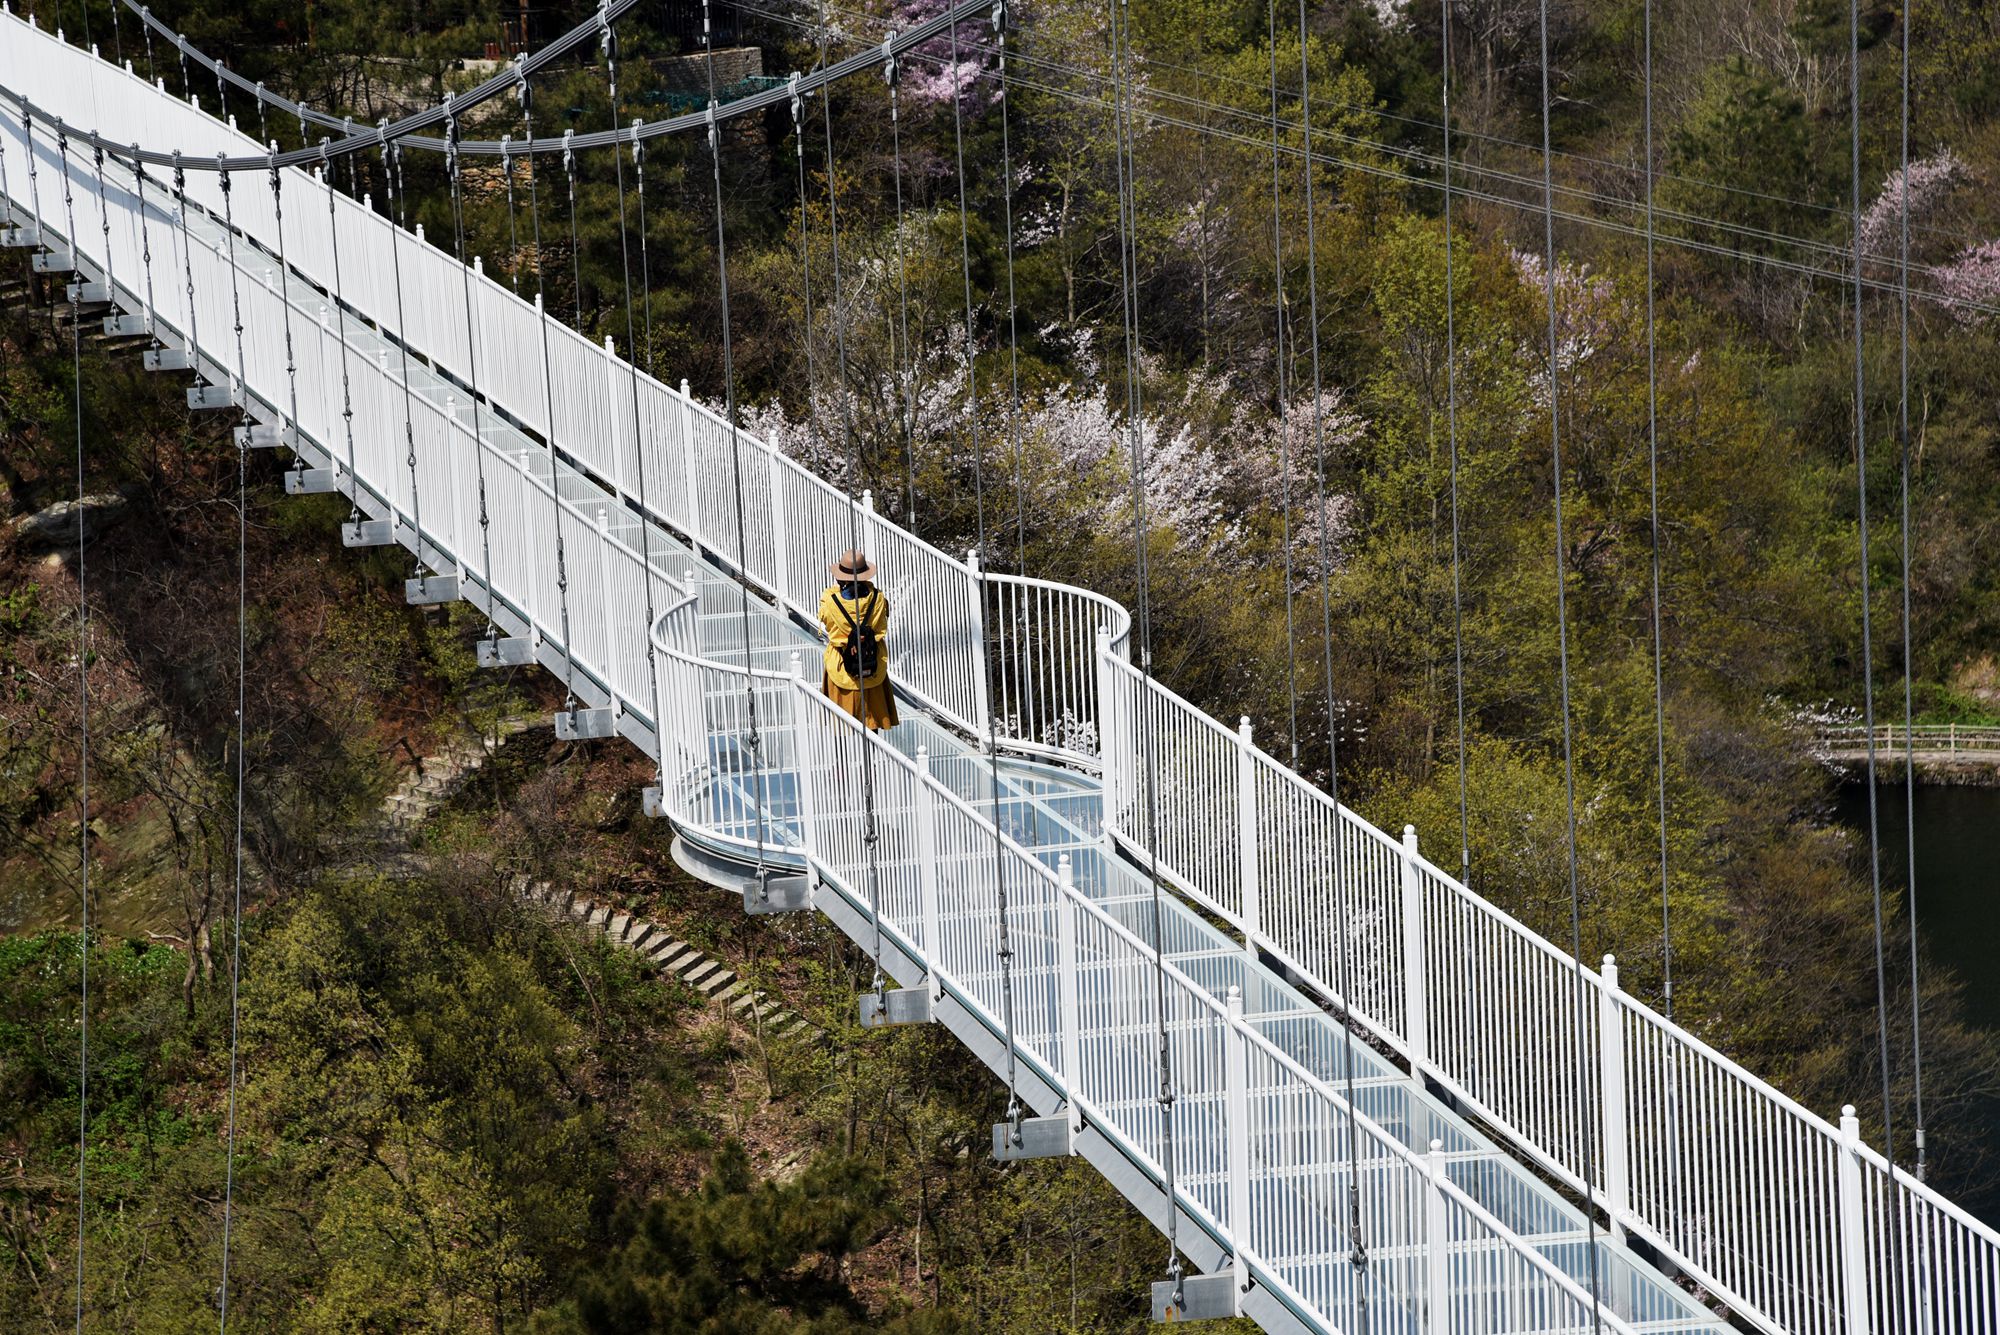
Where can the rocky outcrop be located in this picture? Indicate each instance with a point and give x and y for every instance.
(55, 528)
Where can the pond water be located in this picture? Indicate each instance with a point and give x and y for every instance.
(1958, 876)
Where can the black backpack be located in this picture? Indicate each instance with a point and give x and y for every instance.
(862, 654)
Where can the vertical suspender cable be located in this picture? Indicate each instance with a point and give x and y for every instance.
(151, 77)
(575, 250)
(285, 300)
(905, 359)
(472, 385)
(805, 257)
(83, 713)
(1562, 662)
(610, 42)
(1451, 434)
(392, 155)
(242, 613)
(340, 317)
(736, 469)
(1357, 1243)
(1653, 492)
(1867, 632)
(513, 231)
(1002, 22)
(187, 263)
(1909, 663)
(645, 265)
(1135, 428)
(990, 722)
(549, 401)
(145, 246)
(870, 834)
(1282, 321)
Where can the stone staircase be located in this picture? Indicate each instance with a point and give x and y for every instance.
(438, 777)
(715, 981)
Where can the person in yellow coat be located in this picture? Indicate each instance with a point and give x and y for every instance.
(855, 615)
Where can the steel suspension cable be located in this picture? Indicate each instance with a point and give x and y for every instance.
(151, 77)
(805, 266)
(392, 155)
(187, 267)
(513, 230)
(990, 723)
(1282, 319)
(1562, 662)
(1128, 265)
(340, 317)
(83, 720)
(1653, 494)
(526, 96)
(1002, 24)
(472, 388)
(1867, 628)
(736, 477)
(242, 661)
(871, 835)
(905, 359)
(1909, 662)
(610, 47)
(575, 247)
(1357, 1242)
(1451, 435)
(645, 265)
(145, 252)
(285, 303)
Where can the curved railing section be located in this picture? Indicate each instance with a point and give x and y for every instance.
(1265, 1153)
(1784, 1215)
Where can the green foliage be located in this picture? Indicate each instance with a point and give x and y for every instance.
(744, 1255)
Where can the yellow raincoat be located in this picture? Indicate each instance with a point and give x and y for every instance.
(872, 701)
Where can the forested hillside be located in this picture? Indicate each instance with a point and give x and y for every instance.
(1351, 538)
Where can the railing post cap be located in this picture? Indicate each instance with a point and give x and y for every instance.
(1243, 725)
(1848, 1121)
(684, 385)
(1235, 1002)
(1610, 972)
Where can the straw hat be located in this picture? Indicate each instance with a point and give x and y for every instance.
(852, 566)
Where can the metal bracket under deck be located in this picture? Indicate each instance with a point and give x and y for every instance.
(897, 1006)
(778, 894)
(309, 482)
(576, 725)
(88, 293)
(22, 236)
(124, 326)
(53, 261)
(1034, 1138)
(168, 359)
(264, 435)
(211, 396)
(431, 590)
(368, 533)
(1202, 1298)
(511, 651)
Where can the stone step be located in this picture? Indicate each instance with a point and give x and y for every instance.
(616, 924)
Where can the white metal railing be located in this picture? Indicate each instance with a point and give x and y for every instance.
(1891, 738)
(1739, 1184)
(1798, 1226)
(1261, 1145)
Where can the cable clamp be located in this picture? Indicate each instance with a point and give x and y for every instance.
(798, 100)
(890, 69)
(638, 149)
(569, 153)
(1000, 16)
(714, 132)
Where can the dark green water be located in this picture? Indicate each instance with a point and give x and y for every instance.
(1958, 876)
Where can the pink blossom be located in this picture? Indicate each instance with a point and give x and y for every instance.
(1929, 182)
(1972, 279)
(929, 77)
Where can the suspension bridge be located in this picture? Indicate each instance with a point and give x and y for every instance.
(1354, 1095)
